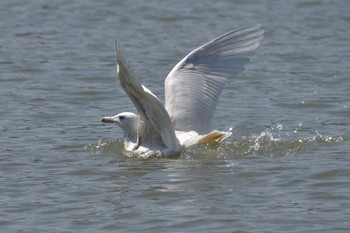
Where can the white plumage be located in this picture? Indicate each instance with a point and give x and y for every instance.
(192, 90)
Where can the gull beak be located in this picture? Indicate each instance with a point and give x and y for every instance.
(108, 120)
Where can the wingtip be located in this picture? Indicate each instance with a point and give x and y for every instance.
(256, 29)
(119, 56)
(116, 46)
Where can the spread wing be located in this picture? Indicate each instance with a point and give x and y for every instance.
(193, 87)
(155, 126)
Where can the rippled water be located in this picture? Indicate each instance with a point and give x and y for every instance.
(285, 169)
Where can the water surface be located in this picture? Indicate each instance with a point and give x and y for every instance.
(285, 169)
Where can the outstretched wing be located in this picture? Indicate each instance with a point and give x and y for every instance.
(155, 123)
(193, 87)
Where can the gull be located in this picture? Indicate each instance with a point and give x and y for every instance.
(192, 90)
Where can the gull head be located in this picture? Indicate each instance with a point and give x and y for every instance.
(128, 121)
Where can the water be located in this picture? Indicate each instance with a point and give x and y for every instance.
(285, 169)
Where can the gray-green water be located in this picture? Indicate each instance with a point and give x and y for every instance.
(285, 169)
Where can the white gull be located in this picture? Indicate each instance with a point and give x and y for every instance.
(192, 90)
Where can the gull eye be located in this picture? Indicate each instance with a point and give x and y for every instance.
(121, 118)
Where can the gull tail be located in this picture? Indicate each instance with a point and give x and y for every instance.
(214, 136)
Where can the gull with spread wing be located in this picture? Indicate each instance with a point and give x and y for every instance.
(192, 90)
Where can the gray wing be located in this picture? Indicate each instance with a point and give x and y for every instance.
(193, 87)
(155, 123)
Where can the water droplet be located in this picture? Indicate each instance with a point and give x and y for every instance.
(279, 126)
(256, 146)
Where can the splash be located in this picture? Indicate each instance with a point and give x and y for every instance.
(267, 144)
(112, 146)
(273, 142)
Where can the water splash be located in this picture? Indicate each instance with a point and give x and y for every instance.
(112, 146)
(271, 143)
(265, 143)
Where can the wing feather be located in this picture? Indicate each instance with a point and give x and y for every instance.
(154, 122)
(193, 87)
